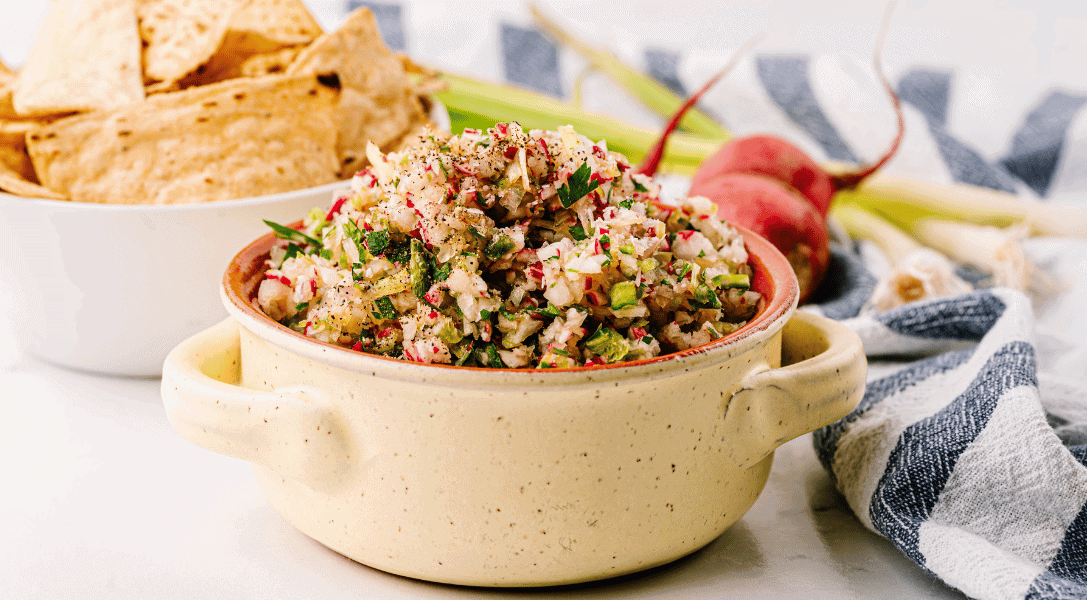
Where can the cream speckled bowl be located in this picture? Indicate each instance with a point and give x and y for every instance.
(511, 478)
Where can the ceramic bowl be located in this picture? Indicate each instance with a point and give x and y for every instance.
(492, 477)
(112, 289)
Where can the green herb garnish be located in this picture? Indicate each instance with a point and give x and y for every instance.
(385, 308)
(287, 233)
(398, 253)
(355, 234)
(377, 241)
(577, 186)
(549, 311)
(499, 246)
(441, 272)
(683, 270)
(293, 250)
(494, 360)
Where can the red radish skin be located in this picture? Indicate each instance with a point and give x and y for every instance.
(777, 213)
(655, 154)
(775, 158)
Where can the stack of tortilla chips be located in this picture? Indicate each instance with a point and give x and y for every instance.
(180, 101)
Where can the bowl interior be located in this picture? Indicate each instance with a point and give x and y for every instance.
(773, 278)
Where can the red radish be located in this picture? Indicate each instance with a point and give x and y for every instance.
(773, 188)
(777, 158)
(771, 157)
(780, 215)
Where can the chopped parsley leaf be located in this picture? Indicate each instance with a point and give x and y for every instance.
(577, 186)
(377, 241)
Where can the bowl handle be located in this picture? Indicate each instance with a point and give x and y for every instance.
(820, 381)
(291, 431)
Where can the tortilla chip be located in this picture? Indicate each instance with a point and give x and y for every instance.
(7, 84)
(232, 63)
(377, 102)
(270, 63)
(161, 87)
(13, 183)
(278, 22)
(13, 153)
(255, 33)
(86, 56)
(16, 171)
(240, 138)
(181, 35)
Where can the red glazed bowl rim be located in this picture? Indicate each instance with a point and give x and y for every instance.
(773, 278)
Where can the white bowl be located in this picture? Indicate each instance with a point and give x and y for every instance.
(112, 289)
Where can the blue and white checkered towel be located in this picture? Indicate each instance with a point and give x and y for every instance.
(969, 450)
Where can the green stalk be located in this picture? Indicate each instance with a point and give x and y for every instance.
(649, 91)
(905, 200)
(992, 249)
(479, 104)
(865, 225)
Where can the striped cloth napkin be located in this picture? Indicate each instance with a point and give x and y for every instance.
(969, 449)
(954, 458)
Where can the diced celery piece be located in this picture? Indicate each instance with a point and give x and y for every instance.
(705, 297)
(623, 295)
(449, 333)
(393, 284)
(419, 269)
(498, 246)
(608, 343)
(732, 280)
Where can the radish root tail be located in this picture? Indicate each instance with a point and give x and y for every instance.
(848, 181)
(653, 158)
